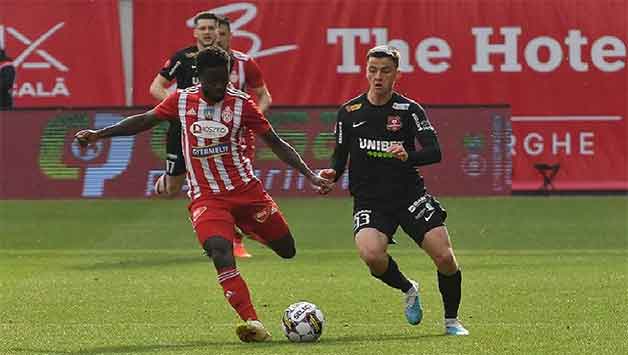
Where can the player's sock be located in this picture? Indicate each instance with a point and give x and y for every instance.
(450, 290)
(237, 293)
(393, 277)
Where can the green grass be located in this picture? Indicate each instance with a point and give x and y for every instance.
(540, 276)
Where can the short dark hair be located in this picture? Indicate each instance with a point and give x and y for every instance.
(211, 57)
(205, 15)
(224, 21)
(384, 51)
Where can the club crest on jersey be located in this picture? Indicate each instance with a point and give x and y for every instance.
(354, 107)
(209, 129)
(262, 215)
(210, 150)
(394, 123)
(227, 114)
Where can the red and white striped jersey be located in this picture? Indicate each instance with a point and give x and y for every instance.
(245, 73)
(210, 135)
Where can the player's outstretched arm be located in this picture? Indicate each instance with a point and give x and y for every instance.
(329, 174)
(129, 126)
(288, 155)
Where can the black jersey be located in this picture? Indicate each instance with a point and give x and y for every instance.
(181, 66)
(365, 132)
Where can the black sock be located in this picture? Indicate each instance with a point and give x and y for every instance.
(393, 277)
(450, 287)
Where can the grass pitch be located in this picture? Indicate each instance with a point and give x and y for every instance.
(540, 276)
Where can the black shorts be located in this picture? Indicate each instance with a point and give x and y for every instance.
(416, 216)
(175, 162)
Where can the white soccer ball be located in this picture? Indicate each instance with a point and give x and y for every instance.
(303, 322)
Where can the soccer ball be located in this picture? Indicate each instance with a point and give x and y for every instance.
(303, 322)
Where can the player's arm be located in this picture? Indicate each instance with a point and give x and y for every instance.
(263, 97)
(341, 151)
(253, 119)
(287, 153)
(132, 125)
(255, 81)
(159, 87)
(129, 126)
(430, 152)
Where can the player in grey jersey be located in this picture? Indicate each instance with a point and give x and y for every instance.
(378, 131)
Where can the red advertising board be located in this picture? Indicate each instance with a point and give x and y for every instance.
(43, 161)
(547, 59)
(66, 53)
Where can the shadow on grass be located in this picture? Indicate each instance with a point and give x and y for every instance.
(156, 348)
(140, 262)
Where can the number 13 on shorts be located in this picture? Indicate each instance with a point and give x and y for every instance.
(361, 218)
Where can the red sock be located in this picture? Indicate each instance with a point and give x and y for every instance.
(236, 292)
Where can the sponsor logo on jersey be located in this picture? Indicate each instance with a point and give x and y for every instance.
(209, 129)
(394, 123)
(227, 114)
(399, 106)
(191, 112)
(191, 54)
(210, 150)
(377, 148)
(174, 68)
(358, 124)
(353, 107)
(339, 132)
(422, 125)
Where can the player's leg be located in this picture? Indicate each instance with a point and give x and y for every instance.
(239, 250)
(274, 233)
(426, 225)
(437, 245)
(372, 231)
(170, 184)
(214, 226)
(260, 217)
(248, 142)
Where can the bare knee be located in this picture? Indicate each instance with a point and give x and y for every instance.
(284, 247)
(445, 262)
(373, 257)
(220, 250)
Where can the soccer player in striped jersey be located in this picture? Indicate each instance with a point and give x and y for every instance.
(209, 29)
(222, 187)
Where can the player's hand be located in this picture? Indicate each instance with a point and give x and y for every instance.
(86, 137)
(329, 175)
(321, 184)
(398, 151)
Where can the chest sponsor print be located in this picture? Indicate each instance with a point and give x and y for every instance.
(210, 151)
(209, 129)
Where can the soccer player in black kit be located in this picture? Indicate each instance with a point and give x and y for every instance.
(378, 130)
